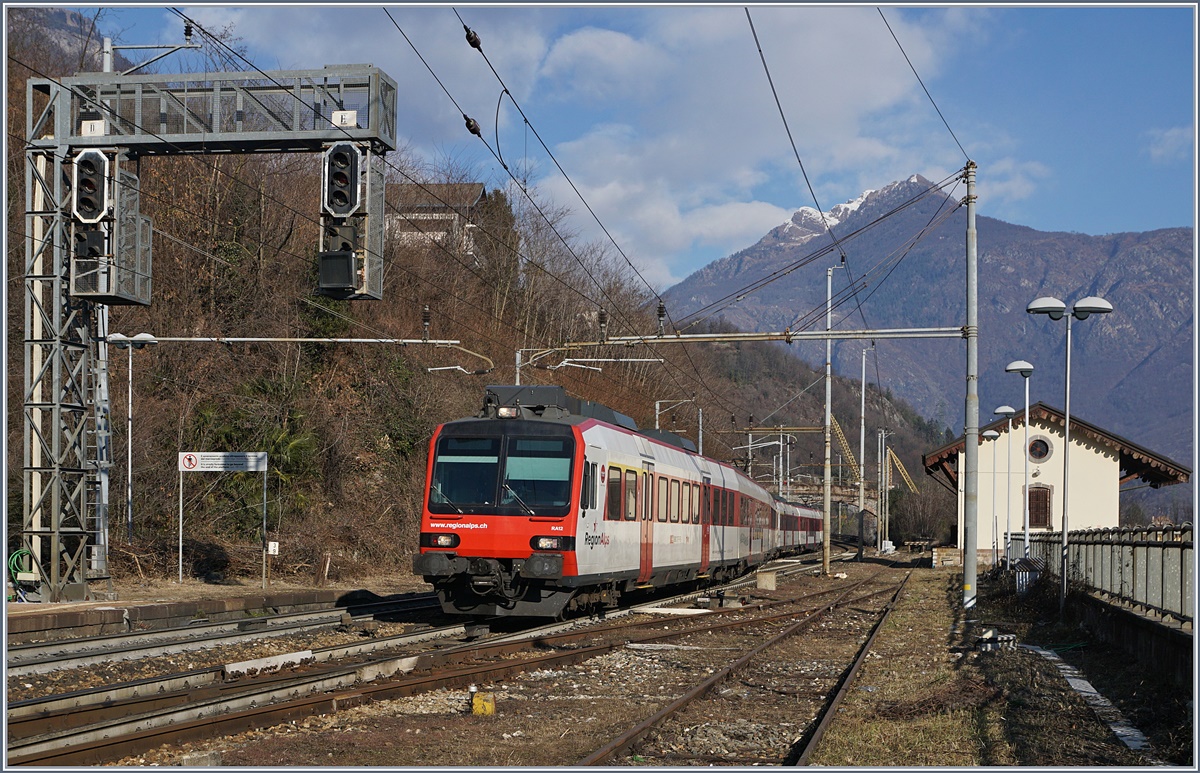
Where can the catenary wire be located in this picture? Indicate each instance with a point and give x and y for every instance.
(474, 41)
(617, 309)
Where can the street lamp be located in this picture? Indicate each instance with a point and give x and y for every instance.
(1007, 412)
(992, 434)
(138, 341)
(1025, 369)
(1056, 309)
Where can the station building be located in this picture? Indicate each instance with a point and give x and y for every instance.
(1100, 464)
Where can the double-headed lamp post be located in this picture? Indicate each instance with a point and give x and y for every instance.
(125, 342)
(992, 435)
(1056, 309)
(1007, 412)
(1026, 370)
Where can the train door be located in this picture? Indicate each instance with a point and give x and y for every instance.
(646, 565)
(705, 522)
(591, 535)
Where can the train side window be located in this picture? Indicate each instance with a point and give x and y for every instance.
(695, 503)
(706, 504)
(587, 489)
(613, 513)
(674, 502)
(647, 496)
(594, 489)
(661, 504)
(631, 495)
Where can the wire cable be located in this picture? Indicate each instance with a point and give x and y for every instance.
(792, 140)
(918, 77)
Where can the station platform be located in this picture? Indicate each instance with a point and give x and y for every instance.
(38, 621)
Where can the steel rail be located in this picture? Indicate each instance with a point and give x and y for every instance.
(154, 693)
(844, 687)
(263, 705)
(630, 737)
(44, 657)
(144, 696)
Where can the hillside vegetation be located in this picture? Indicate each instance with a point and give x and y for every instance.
(346, 426)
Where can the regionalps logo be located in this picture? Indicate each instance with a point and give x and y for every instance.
(596, 539)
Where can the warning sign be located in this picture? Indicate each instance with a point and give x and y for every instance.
(213, 461)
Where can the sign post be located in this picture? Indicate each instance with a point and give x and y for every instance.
(224, 461)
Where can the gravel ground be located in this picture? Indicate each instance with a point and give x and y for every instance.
(926, 700)
(559, 716)
(117, 671)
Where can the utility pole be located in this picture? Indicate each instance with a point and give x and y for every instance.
(827, 492)
(862, 438)
(971, 433)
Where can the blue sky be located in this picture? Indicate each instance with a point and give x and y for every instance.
(1080, 118)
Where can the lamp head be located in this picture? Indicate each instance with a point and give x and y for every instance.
(1019, 366)
(142, 339)
(1090, 305)
(1006, 411)
(991, 434)
(118, 340)
(1052, 307)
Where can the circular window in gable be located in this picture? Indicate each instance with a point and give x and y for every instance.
(1039, 449)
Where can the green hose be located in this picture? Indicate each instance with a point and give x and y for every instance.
(14, 566)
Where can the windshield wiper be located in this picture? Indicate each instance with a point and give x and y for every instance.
(520, 501)
(447, 500)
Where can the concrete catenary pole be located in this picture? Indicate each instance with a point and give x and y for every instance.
(971, 428)
(862, 439)
(828, 493)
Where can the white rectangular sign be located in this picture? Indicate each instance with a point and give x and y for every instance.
(222, 461)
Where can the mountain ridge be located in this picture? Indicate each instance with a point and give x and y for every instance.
(1138, 356)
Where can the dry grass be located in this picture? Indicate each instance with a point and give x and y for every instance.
(930, 699)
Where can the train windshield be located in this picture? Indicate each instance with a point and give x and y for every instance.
(504, 472)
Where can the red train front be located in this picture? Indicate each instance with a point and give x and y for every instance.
(496, 533)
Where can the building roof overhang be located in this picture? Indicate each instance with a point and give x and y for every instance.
(1136, 462)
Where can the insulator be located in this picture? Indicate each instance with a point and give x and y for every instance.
(662, 313)
(472, 38)
(187, 32)
(472, 125)
(425, 322)
(603, 317)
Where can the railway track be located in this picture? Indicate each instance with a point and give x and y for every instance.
(659, 739)
(102, 725)
(43, 657)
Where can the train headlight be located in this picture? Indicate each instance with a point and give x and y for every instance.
(439, 540)
(507, 412)
(546, 543)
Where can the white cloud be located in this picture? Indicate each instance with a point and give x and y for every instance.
(663, 117)
(601, 65)
(1169, 146)
(1009, 182)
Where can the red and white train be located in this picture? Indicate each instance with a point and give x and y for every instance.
(546, 504)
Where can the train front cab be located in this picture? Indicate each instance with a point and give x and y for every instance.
(498, 529)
